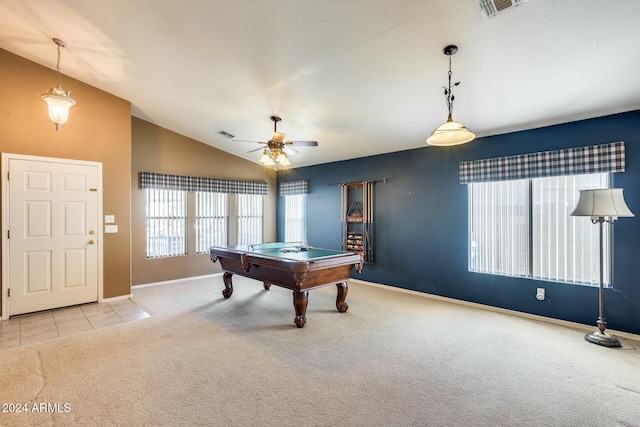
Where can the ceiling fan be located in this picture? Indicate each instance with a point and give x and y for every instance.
(277, 148)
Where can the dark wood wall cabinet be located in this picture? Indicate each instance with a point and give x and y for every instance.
(357, 218)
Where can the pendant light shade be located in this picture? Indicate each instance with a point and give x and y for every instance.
(58, 100)
(59, 104)
(450, 132)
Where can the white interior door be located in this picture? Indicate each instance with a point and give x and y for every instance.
(53, 233)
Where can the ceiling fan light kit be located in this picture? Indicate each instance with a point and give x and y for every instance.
(275, 152)
(450, 132)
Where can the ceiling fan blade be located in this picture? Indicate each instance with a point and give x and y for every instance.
(289, 150)
(244, 140)
(303, 143)
(257, 149)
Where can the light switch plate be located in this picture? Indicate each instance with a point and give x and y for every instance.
(109, 219)
(110, 228)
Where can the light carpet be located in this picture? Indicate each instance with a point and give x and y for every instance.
(393, 359)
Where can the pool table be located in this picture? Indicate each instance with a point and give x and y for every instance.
(292, 266)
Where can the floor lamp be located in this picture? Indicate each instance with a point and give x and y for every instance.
(603, 205)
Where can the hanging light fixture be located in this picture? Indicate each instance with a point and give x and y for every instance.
(450, 132)
(274, 155)
(276, 150)
(58, 100)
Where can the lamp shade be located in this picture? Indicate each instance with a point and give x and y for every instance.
(282, 159)
(266, 159)
(59, 103)
(450, 133)
(606, 202)
(278, 136)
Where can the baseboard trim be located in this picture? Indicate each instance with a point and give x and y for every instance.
(169, 282)
(565, 323)
(121, 297)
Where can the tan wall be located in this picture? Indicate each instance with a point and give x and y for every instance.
(99, 130)
(155, 149)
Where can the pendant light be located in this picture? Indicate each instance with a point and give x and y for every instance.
(58, 100)
(450, 132)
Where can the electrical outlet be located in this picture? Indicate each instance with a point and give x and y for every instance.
(540, 294)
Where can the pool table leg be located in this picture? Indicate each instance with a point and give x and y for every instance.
(228, 286)
(342, 295)
(300, 301)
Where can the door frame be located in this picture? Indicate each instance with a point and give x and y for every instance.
(6, 157)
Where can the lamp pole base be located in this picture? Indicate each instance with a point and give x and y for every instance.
(603, 339)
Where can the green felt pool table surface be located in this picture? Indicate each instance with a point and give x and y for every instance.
(288, 251)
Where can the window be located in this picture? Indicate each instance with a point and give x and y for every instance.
(249, 219)
(166, 219)
(566, 248)
(524, 228)
(295, 210)
(166, 212)
(499, 227)
(295, 218)
(211, 220)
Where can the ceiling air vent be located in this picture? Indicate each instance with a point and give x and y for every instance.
(491, 8)
(225, 134)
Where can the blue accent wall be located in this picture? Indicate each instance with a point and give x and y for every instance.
(421, 222)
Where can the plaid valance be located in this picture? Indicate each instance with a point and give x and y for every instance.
(293, 188)
(161, 181)
(570, 161)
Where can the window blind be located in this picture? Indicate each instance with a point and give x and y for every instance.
(211, 220)
(250, 213)
(295, 218)
(166, 223)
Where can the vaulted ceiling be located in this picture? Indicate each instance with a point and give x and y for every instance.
(362, 77)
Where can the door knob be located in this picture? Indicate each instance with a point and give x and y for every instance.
(91, 242)
(92, 232)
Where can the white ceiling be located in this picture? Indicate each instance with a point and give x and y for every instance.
(362, 77)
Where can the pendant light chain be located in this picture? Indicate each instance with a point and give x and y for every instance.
(449, 98)
(58, 69)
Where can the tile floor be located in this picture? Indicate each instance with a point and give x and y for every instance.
(47, 325)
